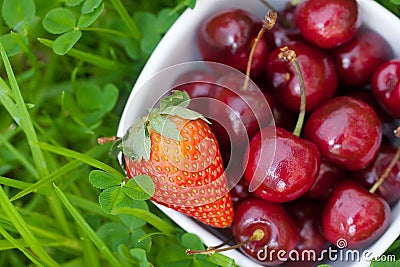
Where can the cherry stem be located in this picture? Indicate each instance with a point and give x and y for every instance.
(104, 140)
(289, 55)
(267, 23)
(389, 168)
(257, 235)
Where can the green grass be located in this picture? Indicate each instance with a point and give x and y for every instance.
(57, 97)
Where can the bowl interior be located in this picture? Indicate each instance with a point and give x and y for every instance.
(179, 46)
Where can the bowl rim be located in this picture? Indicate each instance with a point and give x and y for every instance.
(368, 8)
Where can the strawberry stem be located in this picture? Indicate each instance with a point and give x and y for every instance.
(267, 23)
(289, 55)
(389, 168)
(257, 235)
(105, 140)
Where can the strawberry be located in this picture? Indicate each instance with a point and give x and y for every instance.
(177, 149)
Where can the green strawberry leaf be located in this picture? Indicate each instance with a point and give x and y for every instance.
(177, 98)
(183, 113)
(140, 187)
(66, 41)
(164, 126)
(103, 180)
(113, 198)
(59, 20)
(86, 20)
(136, 142)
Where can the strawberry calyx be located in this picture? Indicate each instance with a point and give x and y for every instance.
(136, 142)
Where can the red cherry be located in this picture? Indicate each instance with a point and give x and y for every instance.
(285, 30)
(306, 215)
(390, 188)
(240, 192)
(357, 59)
(241, 113)
(227, 38)
(318, 73)
(327, 23)
(196, 83)
(386, 86)
(328, 176)
(346, 131)
(282, 164)
(279, 230)
(355, 215)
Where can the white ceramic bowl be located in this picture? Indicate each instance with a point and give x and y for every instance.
(179, 46)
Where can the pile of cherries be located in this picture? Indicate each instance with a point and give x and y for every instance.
(336, 177)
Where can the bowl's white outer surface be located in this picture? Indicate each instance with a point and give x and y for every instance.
(179, 46)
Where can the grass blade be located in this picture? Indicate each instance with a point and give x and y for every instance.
(21, 158)
(79, 156)
(87, 229)
(23, 229)
(126, 18)
(150, 218)
(70, 166)
(25, 119)
(20, 244)
(93, 59)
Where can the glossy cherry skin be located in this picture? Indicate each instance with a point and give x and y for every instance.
(318, 72)
(354, 214)
(240, 112)
(196, 83)
(227, 38)
(386, 86)
(285, 30)
(357, 59)
(306, 215)
(346, 131)
(282, 164)
(280, 232)
(240, 192)
(327, 23)
(329, 175)
(388, 122)
(390, 188)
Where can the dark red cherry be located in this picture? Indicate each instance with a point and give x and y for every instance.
(355, 215)
(388, 122)
(283, 117)
(346, 131)
(386, 86)
(318, 73)
(240, 112)
(281, 166)
(240, 192)
(285, 30)
(196, 83)
(306, 215)
(327, 23)
(390, 188)
(227, 38)
(329, 175)
(279, 230)
(357, 59)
